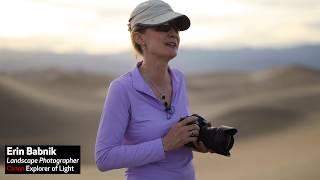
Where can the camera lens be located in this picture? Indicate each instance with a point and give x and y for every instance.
(218, 139)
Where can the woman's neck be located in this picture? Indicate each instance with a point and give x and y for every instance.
(156, 71)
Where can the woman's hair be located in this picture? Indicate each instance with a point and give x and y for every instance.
(137, 47)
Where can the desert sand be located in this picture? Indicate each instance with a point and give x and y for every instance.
(276, 112)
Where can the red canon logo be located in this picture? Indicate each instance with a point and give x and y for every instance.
(11, 168)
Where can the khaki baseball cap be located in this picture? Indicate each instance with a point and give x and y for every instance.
(155, 12)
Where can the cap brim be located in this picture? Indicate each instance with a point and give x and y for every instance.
(181, 21)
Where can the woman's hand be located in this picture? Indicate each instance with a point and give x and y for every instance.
(200, 147)
(181, 134)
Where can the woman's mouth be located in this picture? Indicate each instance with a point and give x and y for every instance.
(171, 44)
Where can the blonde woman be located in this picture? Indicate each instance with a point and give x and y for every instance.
(140, 128)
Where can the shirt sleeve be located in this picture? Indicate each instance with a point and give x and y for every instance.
(110, 152)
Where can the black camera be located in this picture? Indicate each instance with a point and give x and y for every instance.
(219, 139)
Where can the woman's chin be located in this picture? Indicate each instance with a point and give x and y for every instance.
(172, 54)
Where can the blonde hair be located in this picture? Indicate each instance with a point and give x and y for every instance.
(137, 47)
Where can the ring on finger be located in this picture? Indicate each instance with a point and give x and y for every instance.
(192, 133)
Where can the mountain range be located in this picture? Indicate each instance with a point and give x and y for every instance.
(188, 60)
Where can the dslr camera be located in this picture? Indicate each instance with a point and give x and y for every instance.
(219, 139)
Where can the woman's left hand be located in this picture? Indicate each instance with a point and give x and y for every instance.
(200, 147)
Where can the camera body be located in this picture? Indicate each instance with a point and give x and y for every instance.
(219, 139)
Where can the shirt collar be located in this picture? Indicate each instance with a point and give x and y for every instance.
(140, 85)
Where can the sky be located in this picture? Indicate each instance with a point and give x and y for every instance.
(100, 26)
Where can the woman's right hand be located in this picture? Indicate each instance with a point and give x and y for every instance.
(181, 134)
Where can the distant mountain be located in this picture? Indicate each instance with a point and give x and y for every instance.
(11, 61)
(248, 59)
(188, 60)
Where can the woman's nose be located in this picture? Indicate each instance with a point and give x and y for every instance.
(174, 32)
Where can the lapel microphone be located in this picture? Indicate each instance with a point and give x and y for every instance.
(169, 110)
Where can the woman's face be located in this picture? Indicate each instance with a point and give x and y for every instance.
(162, 41)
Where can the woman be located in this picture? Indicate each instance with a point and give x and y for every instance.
(140, 128)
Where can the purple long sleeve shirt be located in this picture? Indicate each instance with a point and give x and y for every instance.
(132, 125)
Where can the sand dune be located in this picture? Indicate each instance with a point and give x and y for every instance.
(32, 114)
(263, 110)
(276, 112)
(295, 73)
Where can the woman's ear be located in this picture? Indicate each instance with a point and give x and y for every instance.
(138, 38)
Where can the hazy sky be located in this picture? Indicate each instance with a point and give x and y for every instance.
(100, 26)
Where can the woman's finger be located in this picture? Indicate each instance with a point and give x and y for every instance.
(199, 147)
(203, 147)
(187, 121)
(194, 133)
